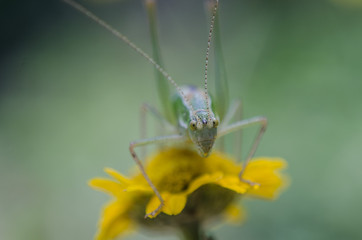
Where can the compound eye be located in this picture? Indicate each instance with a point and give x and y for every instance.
(210, 123)
(215, 122)
(193, 125)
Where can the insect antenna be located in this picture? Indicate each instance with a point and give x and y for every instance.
(119, 35)
(207, 54)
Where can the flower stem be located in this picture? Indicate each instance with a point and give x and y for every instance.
(194, 231)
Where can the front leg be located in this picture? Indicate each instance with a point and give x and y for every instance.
(144, 142)
(262, 121)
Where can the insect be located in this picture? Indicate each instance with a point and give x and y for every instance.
(193, 116)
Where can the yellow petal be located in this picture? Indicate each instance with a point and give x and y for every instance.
(113, 221)
(115, 188)
(106, 185)
(174, 203)
(152, 205)
(233, 183)
(115, 229)
(265, 163)
(113, 173)
(265, 172)
(139, 187)
(203, 180)
(268, 189)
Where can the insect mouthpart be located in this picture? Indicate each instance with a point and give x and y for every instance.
(205, 147)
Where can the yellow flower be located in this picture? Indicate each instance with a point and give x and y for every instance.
(195, 189)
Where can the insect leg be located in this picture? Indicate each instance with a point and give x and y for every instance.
(243, 124)
(144, 142)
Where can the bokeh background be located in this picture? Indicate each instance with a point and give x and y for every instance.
(70, 97)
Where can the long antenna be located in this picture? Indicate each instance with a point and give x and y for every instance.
(119, 35)
(207, 54)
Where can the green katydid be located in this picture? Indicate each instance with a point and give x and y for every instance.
(191, 112)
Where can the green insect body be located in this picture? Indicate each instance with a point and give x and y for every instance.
(196, 119)
(190, 112)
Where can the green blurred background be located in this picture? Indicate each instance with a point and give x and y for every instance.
(70, 97)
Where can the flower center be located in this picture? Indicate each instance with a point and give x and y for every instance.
(179, 178)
